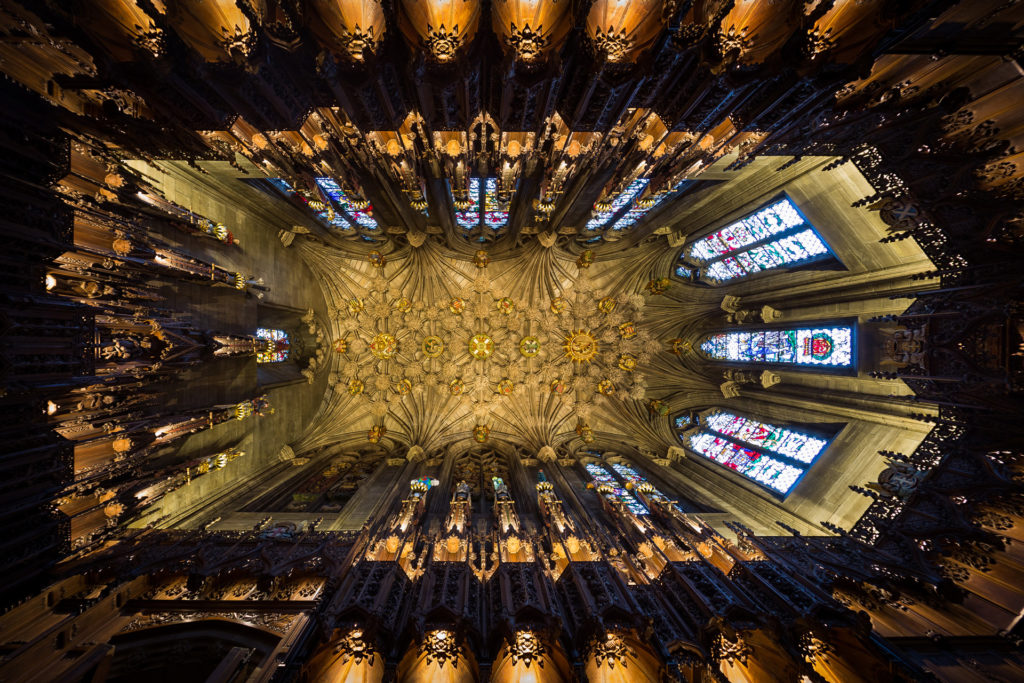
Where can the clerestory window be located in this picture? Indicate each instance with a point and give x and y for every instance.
(775, 236)
(772, 456)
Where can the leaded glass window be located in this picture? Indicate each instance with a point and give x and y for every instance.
(327, 215)
(772, 456)
(486, 206)
(779, 440)
(776, 236)
(275, 345)
(635, 478)
(361, 214)
(599, 218)
(601, 476)
(804, 346)
(470, 218)
(495, 211)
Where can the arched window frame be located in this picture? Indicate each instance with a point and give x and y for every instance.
(333, 209)
(269, 334)
(849, 324)
(487, 218)
(705, 425)
(602, 473)
(741, 256)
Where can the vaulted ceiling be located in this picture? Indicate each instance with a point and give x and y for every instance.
(483, 205)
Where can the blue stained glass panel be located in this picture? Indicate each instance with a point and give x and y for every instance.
(338, 220)
(470, 218)
(495, 213)
(773, 237)
(602, 476)
(812, 346)
(771, 472)
(276, 346)
(363, 217)
(781, 440)
(599, 218)
(628, 473)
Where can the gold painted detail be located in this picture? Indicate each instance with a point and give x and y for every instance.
(384, 346)
(529, 346)
(581, 346)
(585, 432)
(433, 346)
(376, 433)
(615, 45)
(526, 647)
(441, 43)
(528, 43)
(481, 346)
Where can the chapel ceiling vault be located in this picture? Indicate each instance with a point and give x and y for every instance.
(528, 349)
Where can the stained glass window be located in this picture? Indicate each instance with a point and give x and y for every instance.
(363, 215)
(779, 440)
(331, 218)
(470, 218)
(635, 478)
(628, 473)
(276, 345)
(776, 236)
(489, 206)
(775, 457)
(808, 346)
(495, 211)
(622, 199)
(601, 476)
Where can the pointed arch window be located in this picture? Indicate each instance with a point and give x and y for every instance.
(276, 345)
(636, 479)
(600, 218)
(603, 477)
(361, 213)
(775, 236)
(486, 207)
(772, 456)
(324, 213)
(824, 347)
